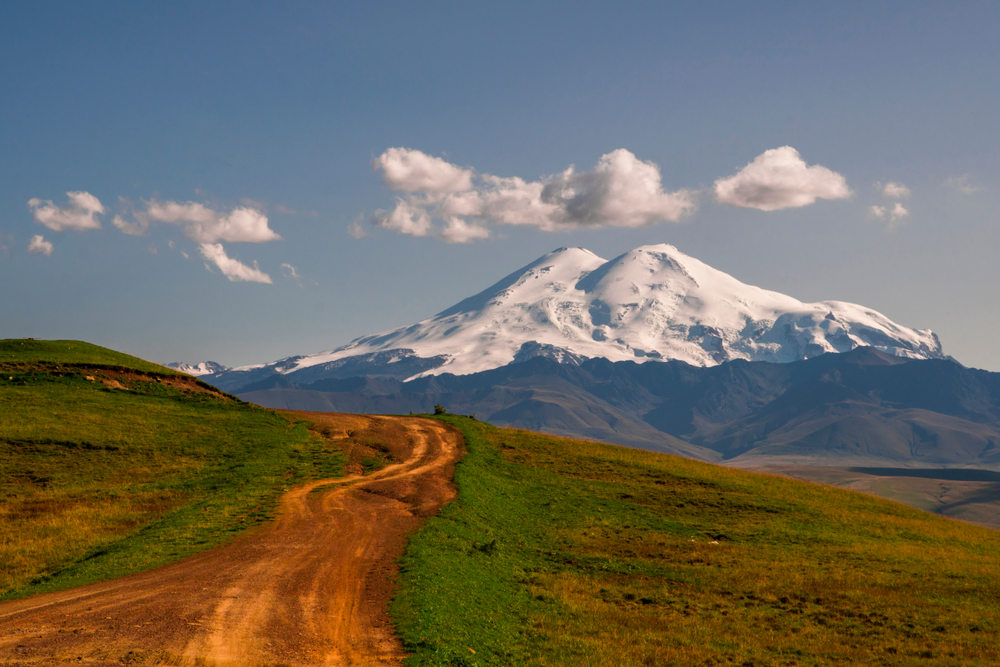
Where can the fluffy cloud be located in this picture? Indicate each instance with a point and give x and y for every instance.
(894, 190)
(962, 184)
(134, 228)
(243, 224)
(621, 191)
(39, 246)
(894, 214)
(458, 230)
(778, 179)
(407, 218)
(406, 170)
(80, 215)
(208, 227)
(231, 268)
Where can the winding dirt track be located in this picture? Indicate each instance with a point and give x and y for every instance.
(309, 589)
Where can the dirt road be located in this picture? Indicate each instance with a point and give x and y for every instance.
(309, 589)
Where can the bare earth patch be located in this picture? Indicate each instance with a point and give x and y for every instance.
(311, 588)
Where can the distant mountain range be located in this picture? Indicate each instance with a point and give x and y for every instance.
(198, 370)
(652, 303)
(656, 349)
(857, 408)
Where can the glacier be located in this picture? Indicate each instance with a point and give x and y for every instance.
(651, 303)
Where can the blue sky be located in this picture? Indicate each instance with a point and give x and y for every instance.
(280, 111)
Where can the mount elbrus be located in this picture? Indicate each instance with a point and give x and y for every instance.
(652, 303)
(656, 349)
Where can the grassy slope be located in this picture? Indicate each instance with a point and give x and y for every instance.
(78, 353)
(975, 501)
(97, 482)
(559, 552)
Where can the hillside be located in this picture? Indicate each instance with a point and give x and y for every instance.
(555, 552)
(560, 552)
(310, 588)
(77, 353)
(110, 464)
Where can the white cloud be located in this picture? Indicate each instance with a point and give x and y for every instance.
(621, 191)
(458, 230)
(779, 178)
(208, 227)
(231, 268)
(511, 201)
(80, 215)
(892, 214)
(408, 170)
(962, 184)
(39, 246)
(894, 190)
(6, 241)
(205, 225)
(136, 228)
(407, 218)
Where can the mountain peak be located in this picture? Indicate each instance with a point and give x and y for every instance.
(652, 302)
(203, 368)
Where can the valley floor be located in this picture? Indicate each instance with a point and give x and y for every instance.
(310, 588)
(957, 493)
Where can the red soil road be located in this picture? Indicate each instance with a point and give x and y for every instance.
(309, 589)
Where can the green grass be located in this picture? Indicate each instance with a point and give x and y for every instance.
(97, 482)
(78, 353)
(558, 552)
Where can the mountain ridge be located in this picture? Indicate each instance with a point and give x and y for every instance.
(862, 407)
(651, 303)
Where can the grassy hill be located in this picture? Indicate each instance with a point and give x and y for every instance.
(19, 351)
(555, 552)
(110, 464)
(561, 552)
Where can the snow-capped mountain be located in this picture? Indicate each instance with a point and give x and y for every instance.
(204, 368)
(653, 302)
